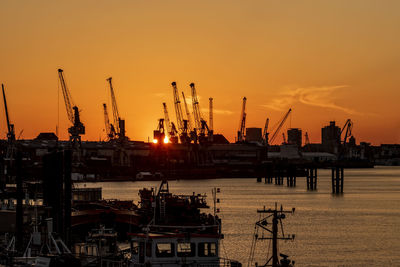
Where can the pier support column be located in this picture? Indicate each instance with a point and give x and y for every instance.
(291, 177)
(337, 180)
(312, 178)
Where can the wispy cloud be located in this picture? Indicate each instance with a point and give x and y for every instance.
(321, 96)
(160, 94)
(218, 111)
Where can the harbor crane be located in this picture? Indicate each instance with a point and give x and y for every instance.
(172, 132)
(349, 127)
(119, 124)
(196, 108)
(77, 128)
(242, 123)
(110, 130)
(182, 123)
(280, 124)
(307, 139)
(200, 123)
(210, 110)
(10, 129)
(265, 132)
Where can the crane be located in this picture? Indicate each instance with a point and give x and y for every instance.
(348, 126)
(178, 108)
(110, 130)
(307, 141)
(265, 132)
(10, 129)
(10, 126)
(119, 124)
(280, 124)
(211, 119)
(242, 124)
(196, 108)
(77, 128)
(170, 126)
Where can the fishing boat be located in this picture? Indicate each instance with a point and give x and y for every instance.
(178, 234)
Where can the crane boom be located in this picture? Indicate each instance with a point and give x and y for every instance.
(110, 130)
(189, 120)
(348, 126)
(265, 132)
(282, 121)
(307, 141)
(69, 104)
(196, 107)
(211, 119)
(72, 112)
(178, 108)
(114, 106)
(166, 119)
(10, 127)
(242, 123)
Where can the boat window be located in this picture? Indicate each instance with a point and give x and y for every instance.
(148, 249)
(208, 249)
(186, 249)
(165, 250)
(135, 247)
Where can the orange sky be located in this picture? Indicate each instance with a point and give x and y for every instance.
(328, 60)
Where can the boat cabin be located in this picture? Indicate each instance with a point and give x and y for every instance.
(170, 249)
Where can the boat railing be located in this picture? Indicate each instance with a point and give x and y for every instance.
(221, 263)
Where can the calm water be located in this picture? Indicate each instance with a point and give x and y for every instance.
(359, 228)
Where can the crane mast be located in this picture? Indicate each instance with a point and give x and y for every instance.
(110, 130)
(10, 127)
(211, 119)
(77, 128)
(166, 119)
(265, 132)
(282, 121)
(307, 141)
(119, 124)
(196, 108)
(178, 108)
(348, 126)
(242, 124)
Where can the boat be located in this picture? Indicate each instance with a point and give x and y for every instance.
(270, 222)
(178, 234)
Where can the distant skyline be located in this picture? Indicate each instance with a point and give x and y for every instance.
(327, 60)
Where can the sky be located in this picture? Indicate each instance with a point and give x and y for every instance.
(327, 60)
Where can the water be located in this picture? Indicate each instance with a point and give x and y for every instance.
(359, 228)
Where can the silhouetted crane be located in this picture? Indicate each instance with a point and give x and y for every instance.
(110, 130)
(265, 132)
(10, 130)
(242, 123)
(77, 129)
(281, 122)
(196, 108)
(119, 124)
(172, 132)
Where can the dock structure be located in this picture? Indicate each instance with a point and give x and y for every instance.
(312, 175)
(337, 180)
(292, 170)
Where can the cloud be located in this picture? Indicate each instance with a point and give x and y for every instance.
(160, 94)
(218, 111)
(322, 96)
